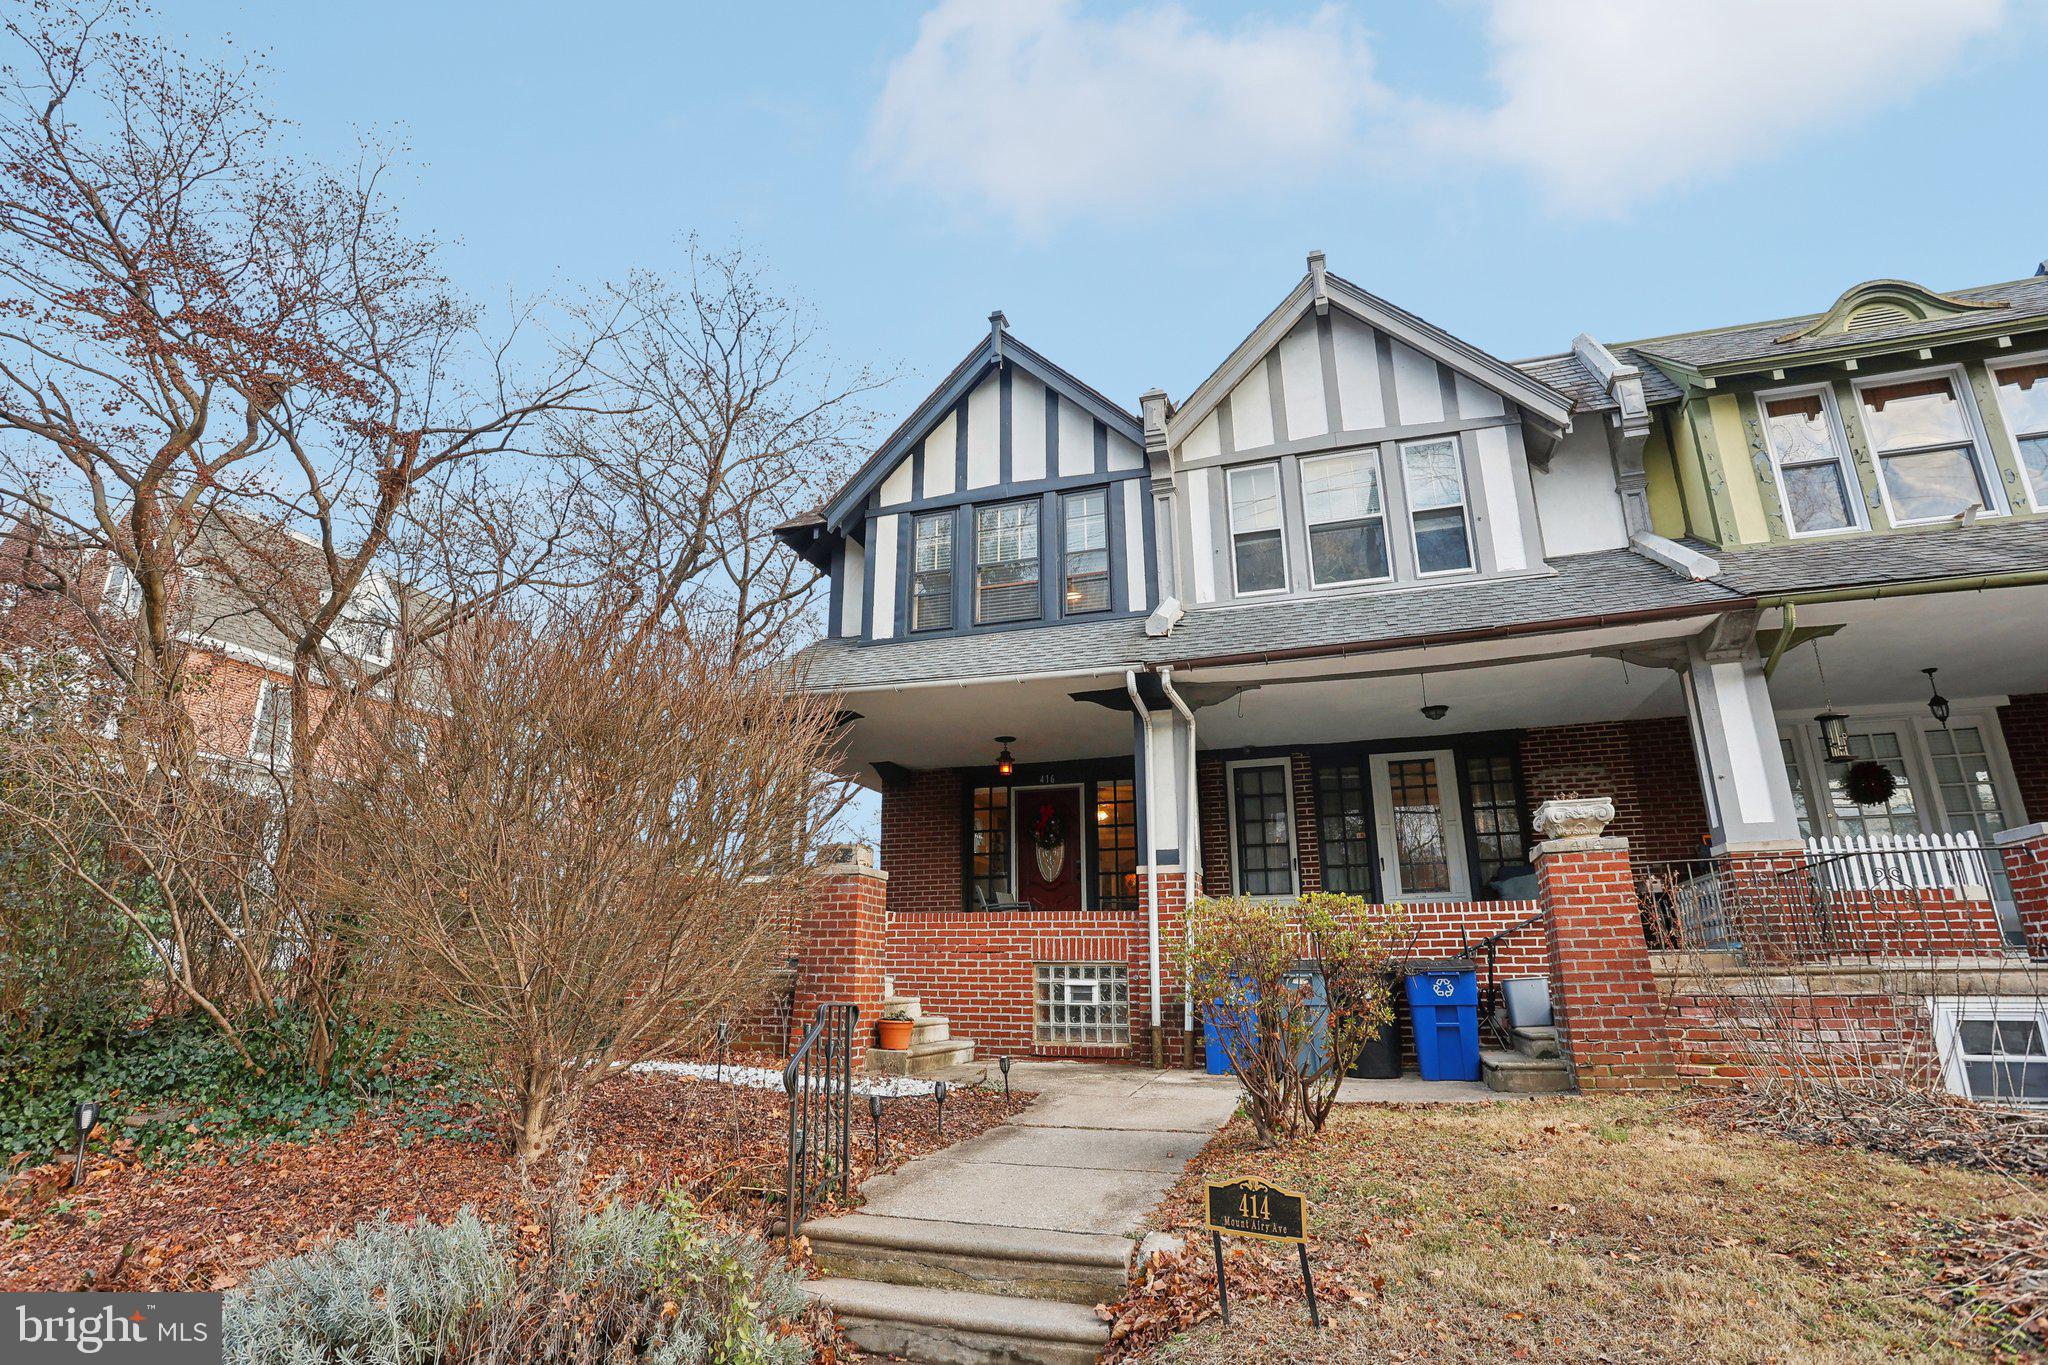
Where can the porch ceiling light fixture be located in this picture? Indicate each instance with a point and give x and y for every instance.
(1431, 710)
(1005, 764)
(1937, 705)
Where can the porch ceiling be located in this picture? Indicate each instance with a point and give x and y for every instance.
(1987, 644)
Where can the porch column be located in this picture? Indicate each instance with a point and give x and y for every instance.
(839, 946)
(2026, 868)
(1168, 876)
(1611, 1022)
(1735, 739)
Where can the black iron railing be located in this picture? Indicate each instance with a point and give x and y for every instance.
(819, 1083)
(1489, 991)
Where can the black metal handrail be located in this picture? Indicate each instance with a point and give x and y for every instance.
(819, 1083)
(1489, 994)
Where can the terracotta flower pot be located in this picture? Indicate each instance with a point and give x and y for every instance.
(895, 1034)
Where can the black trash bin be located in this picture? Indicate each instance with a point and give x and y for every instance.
(1380, 1058)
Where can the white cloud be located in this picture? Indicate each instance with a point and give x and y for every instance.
(1045, 113)
(1604, 101)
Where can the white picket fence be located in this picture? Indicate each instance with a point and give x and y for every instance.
(1891, 862)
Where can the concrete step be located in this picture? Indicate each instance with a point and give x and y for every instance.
(931, 1028)
(952, 1327)
(1068, 1267)
(906, 1005)
(1514, 1073)
(1536, 1042)
(921, 1059)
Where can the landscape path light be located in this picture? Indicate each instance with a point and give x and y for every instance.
(83, 1120)
(1004, 1063)
(939, 1098)
(875, 1113)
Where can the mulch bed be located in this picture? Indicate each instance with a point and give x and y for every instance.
(1919, 1126)
(207, 1223)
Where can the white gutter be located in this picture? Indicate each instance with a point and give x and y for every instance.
(1190, 848)
(1151, 856)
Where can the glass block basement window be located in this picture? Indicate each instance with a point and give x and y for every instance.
(1083, 1003)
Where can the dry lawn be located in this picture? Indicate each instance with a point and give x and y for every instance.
(1575, 1229)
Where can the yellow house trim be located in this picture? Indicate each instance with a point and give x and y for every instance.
(1745, 500)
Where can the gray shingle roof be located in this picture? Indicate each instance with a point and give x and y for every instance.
(2026, 301)
(1996, 547)
(1607, 583)
(1569, 376)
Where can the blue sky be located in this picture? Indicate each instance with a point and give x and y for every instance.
(1137, 184)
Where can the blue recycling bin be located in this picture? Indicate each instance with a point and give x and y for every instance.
(1443, 1002)
(1216, 1041)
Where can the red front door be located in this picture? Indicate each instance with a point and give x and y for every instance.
(1049, 848)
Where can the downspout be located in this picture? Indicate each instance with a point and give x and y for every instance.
(1190, 848)
(1151, 859)
(1788, 623)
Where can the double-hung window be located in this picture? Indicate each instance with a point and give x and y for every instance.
(1258, 550)
(1006, 563)
(271, 744)
(1435, 477)
(1807, 450)
(1926, 448)
(1347, 524)
(1262, 827)
(1084, 548)
(931, 580)
(2023, 397)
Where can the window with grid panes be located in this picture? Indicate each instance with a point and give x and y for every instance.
(931, 582)
(1085, 547)
(1265, 846)
(1901, 814)
(1006, 562)
(1116, 845)
(1344, 822)
(1969, 795)
(1082, 1003)
(1496, 814)
(989, 853)
(272, 742)
(2023, 392)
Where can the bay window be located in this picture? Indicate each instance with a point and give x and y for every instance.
(931, 581)
(1435, 477)
(1084, 550)
(1006, 563)
(1807, 453)
(1347, 526)
(2023, 398)
(1925, 445)
(1258, 552)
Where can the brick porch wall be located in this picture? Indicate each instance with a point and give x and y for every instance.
(924, 842)
(2025, 722)
(1645, 766)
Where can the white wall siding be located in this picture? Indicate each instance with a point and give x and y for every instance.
(1027, 428)
(1077, 439)
(985, 433)
(1202, 535)
(1124, 454)
(1251, 411)
(1134, 539)
(852, 588)
(1358, 373)
(1575, 499)
(1301, 379)
(896, 489)
(1476, 400)
(941, 455)
(1201, 443)
(885, 576)
(1416, 391)
(1503, 507)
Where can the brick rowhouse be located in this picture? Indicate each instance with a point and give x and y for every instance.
(1611, 1020)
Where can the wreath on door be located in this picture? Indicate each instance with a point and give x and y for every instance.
(1869, 783)
(1049, 843)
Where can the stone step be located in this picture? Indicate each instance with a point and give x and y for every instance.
(1068, 1267)
(1536, 1042)
(908, 1005)
(921, 1059)
(931, 1028)
(953, 1327)
(1514, 1073)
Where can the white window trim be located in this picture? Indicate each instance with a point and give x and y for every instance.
(2037, 502)
(1286, 765)
(1845, 463)
(1947, 1012)
(122, 593)
(1309, 524)
(1916, 724)
(263, 694)
(1449, 782)
(1230, 516)
(1987, 469)
(1464, 506)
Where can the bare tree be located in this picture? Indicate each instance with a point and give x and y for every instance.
(722, 419)
(576, 858)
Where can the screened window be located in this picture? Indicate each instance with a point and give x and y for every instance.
(1347, 527)
(1496, 812)
(1258, 552)
(1811, 471)
(988, 870)
(1006, 562)
(1083, 1003)
(1995, 1051)
(1262, 829)
(1116, 845)
(272, 742)
(1085, 547)
(1344, 822)
(1926, 452)
(931, 581)
(2023, 397)
(1436, 505)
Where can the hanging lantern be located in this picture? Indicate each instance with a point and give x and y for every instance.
(1431, 710)
(1005, 764)
(1937, 705)
(1834, 737)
